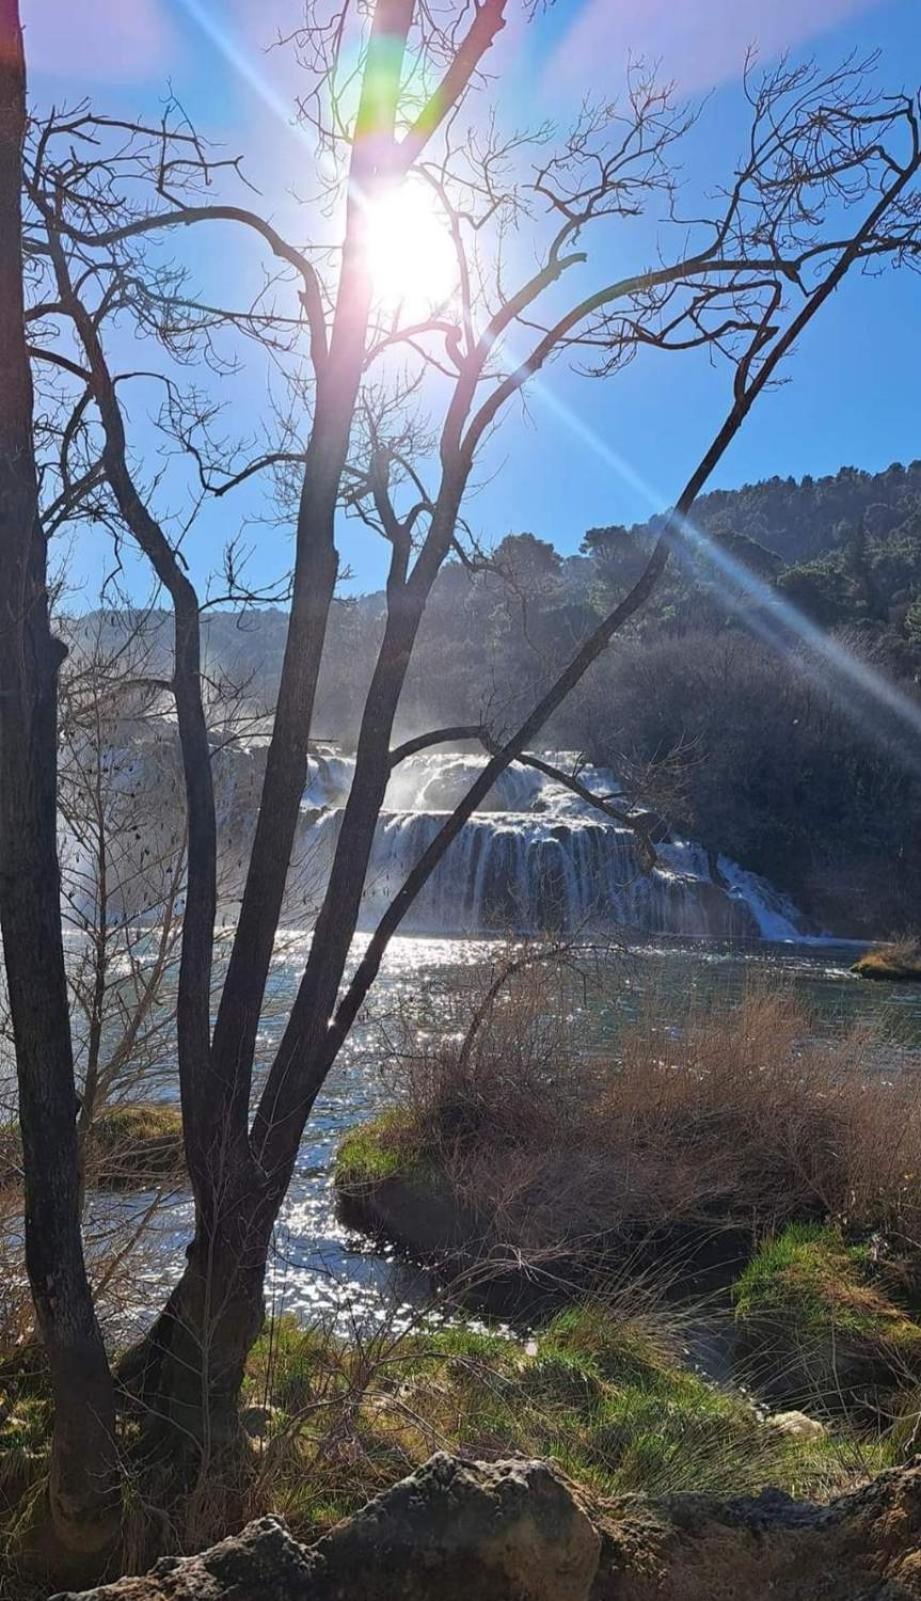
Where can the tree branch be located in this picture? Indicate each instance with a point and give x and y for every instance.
(488, 22)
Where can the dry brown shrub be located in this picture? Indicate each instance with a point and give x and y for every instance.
(743, 1118)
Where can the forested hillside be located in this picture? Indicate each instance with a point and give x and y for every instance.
(726, 731)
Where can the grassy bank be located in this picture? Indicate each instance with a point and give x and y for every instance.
(600, 1392)
(746, 1153)
(744, 1140)
(819, 1320)
(601, 1389)
(130, 1145)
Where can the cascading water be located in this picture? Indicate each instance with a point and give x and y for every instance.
(533, 858)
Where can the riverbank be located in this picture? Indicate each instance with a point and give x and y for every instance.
(769, 1181)
(602, 1390)
(681, 1144)
(131, 1145)
(604, 1176)
(898, 962)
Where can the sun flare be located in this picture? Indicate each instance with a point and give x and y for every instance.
(410, 251)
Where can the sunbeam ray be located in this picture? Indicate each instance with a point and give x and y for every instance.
(776, 620)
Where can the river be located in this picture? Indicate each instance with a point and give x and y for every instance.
(319, 1269)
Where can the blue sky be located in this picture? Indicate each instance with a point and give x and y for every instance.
(853, 394)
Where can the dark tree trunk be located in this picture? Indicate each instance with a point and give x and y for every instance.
(191, 1364)
(83, 1481)
(188, 1371)
(316, 562)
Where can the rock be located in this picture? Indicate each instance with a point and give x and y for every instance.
(798, 1425)
(263, 1563)
(464, 1531)
(865, 1546)
(452, 1531)
(515, 1531)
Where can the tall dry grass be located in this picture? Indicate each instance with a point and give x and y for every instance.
(738, 1119)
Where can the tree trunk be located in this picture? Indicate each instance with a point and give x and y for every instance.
(187, 1372)
(83, 1480)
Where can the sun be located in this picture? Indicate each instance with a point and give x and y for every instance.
(410, 251)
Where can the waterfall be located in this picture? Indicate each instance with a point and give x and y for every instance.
(533, 858)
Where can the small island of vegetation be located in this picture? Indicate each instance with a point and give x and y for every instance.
(899, 961)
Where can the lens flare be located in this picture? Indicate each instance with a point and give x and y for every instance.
(414, 268)
(877, 706)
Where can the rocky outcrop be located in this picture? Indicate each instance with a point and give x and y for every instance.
(516, 1531)
(453, 1530)
(502, 1531)
(865, 1546)
(263, 1563)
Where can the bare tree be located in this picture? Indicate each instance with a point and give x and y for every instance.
(393, 411)
(122, 860)
(83, 1482)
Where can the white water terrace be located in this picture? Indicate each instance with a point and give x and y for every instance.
(535, 857)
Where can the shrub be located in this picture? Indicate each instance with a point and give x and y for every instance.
(899, 960)
(131, 1144)
(741, 1122)
(136, 1143)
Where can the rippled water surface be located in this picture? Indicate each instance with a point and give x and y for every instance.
(321, 1269)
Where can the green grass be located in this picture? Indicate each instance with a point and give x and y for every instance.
(603, 1396)
(375, 1151)
(812, 1275)
(25, 1425)
(25, 1437)
(139, 1120)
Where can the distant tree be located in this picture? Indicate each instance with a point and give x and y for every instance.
(526, 559)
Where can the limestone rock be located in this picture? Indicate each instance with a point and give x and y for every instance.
(863, 1546)
(797, 1425)
(263, 1563)
(455, 1531)
(452, 1531)
(514, 1531)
